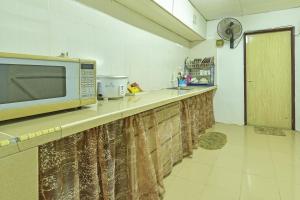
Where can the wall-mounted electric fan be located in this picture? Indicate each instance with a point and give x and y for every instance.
(230, 29)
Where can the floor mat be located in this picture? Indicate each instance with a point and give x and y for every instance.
(269, 131)
(213, 140)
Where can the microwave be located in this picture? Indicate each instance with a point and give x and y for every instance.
(31, 85)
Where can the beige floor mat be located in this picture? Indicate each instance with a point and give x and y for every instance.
(269, 131)
(213, 140)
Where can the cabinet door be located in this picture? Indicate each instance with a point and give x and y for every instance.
(19, 176)
(166, 4)
(184, 11)
(199, 23)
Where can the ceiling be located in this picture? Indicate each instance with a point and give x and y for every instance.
(216, 9)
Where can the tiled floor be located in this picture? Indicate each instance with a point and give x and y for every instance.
(249, 167)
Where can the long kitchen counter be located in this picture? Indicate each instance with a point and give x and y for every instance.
(19, 135)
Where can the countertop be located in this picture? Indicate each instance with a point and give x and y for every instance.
(30, 132)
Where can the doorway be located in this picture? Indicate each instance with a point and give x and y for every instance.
(269, 79)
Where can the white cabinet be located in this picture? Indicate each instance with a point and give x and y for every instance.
(166, 4)
(177, 16)
(199, 23)
(186, 13)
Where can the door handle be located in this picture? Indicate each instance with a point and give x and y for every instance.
(249, 81)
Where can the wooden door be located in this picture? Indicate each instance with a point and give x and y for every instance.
(269, 79)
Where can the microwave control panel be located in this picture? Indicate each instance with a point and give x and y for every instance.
(88, 81)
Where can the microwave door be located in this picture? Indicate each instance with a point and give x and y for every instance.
(32, 82)
(23, 88)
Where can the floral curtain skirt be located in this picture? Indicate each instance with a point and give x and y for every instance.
(125, 159)
(195, 117)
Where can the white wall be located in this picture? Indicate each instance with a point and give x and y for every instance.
(229, 100)
(49, 27)
(204, 49)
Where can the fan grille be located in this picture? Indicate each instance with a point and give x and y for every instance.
(228, 27)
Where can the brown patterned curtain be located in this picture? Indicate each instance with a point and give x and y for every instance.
(142, 182)
(112, 158)
(186, 129)
(210, 120)
(109, 162)
(154, 141)
(196, 116)
(60, 162)
(125, 159)
(170, 143)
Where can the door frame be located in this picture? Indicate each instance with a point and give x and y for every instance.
(292, 30)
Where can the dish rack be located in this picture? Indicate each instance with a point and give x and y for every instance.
(202, 71)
